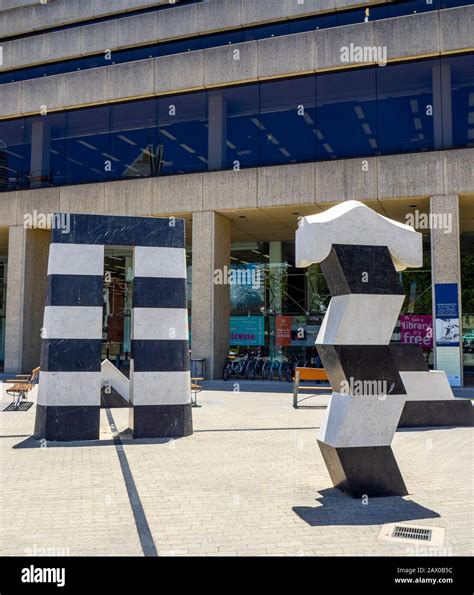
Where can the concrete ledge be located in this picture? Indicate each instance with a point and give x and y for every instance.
(128, 197)
(239, 189)
(47, 92)
(284, 55)
(177, 194)
(185, 21)
(216, 16)
(231, 64)
(456, 28)
(328, 46)
(181, 72)
(34, 16)
(286, 185)
(138, 30)
(413, 35)
(346, 179)
(10, 99)
(88, 87)
(415, 174)
(173, 24)
(130, 80)
(393, 176)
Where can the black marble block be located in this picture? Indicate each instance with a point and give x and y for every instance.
(409, 358)
(75, 290)
(160, 356)
(364, 471)
(67, 423)
(123, 231)
(349, 364)
(161, 421)
(152, 292)
(71, 355)
(452, 412)
(361, 269)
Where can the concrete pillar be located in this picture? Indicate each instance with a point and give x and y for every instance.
(446, 264)
(210, 301)
(26, 295)
(442, 106)
(217, 131)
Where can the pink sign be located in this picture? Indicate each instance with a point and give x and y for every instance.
(417, 329)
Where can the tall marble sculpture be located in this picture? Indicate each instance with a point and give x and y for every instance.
(69, 392)
(360, 253)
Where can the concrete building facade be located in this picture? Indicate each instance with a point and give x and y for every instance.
(240, 116)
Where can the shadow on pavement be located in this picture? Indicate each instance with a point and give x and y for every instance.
(338, 509)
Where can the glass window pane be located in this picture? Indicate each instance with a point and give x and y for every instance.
(287, 123)
(347, 119)
(233, 136)
(134, 139)
(88, 145)
(406, 114)
(461, 69)
(183, 133)
(14, 155)
(46, 136)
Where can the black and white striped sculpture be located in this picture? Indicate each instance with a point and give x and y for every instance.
(69, 391)
(360, 253)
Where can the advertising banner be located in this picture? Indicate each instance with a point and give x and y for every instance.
(283, 330)
(448, 340)
(417, 329)
(247, 331)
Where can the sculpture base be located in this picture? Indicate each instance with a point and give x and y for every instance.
(161, 421)
(67, 423)
(452, 412)
(364, 471)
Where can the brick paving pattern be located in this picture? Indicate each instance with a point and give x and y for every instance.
(250, 481)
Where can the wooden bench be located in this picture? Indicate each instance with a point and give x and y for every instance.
(22, 385)
(311, 374)
(195, 389)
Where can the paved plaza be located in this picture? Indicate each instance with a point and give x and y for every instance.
(250, 481)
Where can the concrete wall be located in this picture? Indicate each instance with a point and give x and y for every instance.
(26, 294)
(394, 176)
(302, 53)
(31, 15)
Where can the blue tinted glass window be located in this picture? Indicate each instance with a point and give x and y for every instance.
(88, 152)
(313, 24)
(183, 133)
(347, 114)
(266, 32)
(14, 155)
(461, 71)
(406, 107)
(134, 139)
(233, 136)
(411, 7)
(223, 39)
(287, 121)
(179, 47)
(46, 136)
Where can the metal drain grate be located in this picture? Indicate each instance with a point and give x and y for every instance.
(400, 532)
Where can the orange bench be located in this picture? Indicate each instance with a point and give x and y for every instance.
(22, 385)
(311, 374)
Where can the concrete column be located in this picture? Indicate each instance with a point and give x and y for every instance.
(217, 131)
(445, 257)
(26, 295)
(210, 301)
